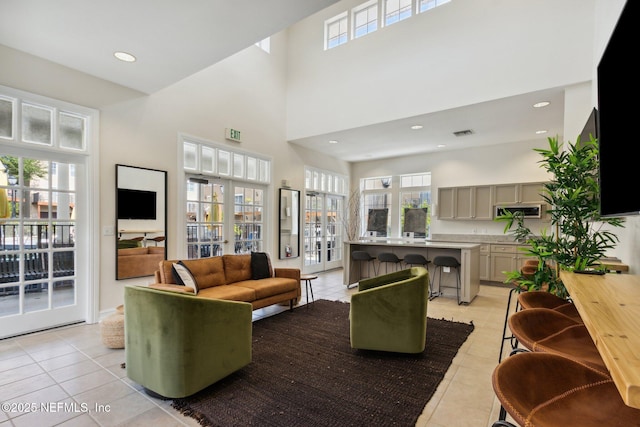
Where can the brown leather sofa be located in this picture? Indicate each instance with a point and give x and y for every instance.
(231, 277)
(138, 262)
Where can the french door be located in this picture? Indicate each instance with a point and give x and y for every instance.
(42, 278)
(323, 234)
(223, 217)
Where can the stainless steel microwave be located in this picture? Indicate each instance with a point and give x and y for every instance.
(529, 211)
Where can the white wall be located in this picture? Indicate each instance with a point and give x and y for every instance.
(461, 53)
(246, 91)
(270, 100)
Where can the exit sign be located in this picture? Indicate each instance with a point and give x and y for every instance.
(232, 134)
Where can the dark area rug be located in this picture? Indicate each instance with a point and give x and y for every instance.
(305, 373)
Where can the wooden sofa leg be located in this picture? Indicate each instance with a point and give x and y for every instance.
(291, 305)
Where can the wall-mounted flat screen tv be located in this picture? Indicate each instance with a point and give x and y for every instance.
(136, 204)
(617, 118)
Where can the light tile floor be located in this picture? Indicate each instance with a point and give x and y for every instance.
(67, 377)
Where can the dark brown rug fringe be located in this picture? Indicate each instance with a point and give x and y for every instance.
(185, 410)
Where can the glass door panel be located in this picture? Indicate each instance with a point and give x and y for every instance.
(323, 235)
(205, 218)
(38, 268)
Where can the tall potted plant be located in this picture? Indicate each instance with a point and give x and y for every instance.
(580, 236)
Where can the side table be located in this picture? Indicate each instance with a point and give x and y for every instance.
(307, 285)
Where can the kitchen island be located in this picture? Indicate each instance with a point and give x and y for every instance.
(467, 253)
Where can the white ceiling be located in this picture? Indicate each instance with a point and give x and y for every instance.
(174, 39)
(506, 120)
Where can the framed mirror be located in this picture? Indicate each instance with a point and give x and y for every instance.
(289, 224)
(141, 220)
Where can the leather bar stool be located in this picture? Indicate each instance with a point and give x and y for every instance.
(515, 290)
(542, 299)
(446, 261)
(389, 258)
(358, 257)
(548, 390)
(546, 330)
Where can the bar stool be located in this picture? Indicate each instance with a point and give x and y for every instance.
(515, 290)
(156, 240)
(415, 259)
(363, 256)
(418, 259)
(546, 330)
(446, 261)
(542, 299)
(388, 258)
(547, 390)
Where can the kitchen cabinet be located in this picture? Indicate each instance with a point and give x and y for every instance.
(483, 202)
(477, 202)
(528, 192)
(503, 258)
(446, 204)
(499, 258)
(485, 261)
(466, 203)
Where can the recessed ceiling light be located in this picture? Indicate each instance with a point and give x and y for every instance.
(541, 131)
(416, 127)
(333, 141)
(441, 146)
(541, 104)
(124, 56)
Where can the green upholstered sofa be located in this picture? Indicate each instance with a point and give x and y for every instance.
(178, 344)
(389, 312)
(232, 277)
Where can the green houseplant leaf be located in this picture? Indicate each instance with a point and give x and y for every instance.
(581, 236)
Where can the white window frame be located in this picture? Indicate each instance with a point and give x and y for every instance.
(400, 11)
(220, 165)
(87, 191)
(415, 183)
(370, 9)
(339, 20)
(427, 5)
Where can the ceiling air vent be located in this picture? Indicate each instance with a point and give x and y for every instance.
(463, 132)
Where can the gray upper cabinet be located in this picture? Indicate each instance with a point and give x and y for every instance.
(528, 192)
(477, 202)
(446, 204)
(483, 202)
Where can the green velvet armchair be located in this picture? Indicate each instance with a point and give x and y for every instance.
(177, 344)
(389, 312)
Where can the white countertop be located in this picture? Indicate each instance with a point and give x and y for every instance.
(415, 243)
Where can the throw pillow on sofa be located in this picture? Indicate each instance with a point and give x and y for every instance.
(184, 277)
(260, 265)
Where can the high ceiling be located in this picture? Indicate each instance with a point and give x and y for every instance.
(174, 39)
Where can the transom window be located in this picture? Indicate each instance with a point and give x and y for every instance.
(424, 5)
(336, 31)
(396, 11)
(365, 19)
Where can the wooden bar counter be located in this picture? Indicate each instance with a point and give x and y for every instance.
(610, 308)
